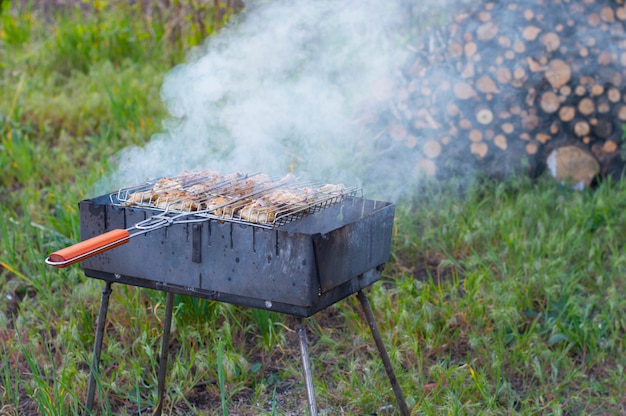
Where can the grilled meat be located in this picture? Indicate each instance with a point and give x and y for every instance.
(255, 199)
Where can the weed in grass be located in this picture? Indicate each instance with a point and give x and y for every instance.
(50, 382)
(268, 325)
(193, 311)
(9, 380)
(19, 152)
(16, 31)
(221, 378)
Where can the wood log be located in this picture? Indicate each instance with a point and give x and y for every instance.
(554, 129)
(609, 146)
(607, 14)
(614, 95)
(558, 73)
(565, 91)
(542, 137)
(464, 91)
(484, 116)
(530, 33)
(586, 106)
(487, 31)
(551, 41)
(500, 141)
(426, 168)
(486, 85)
(530, 120)
(567, 114)
(397, 132)
(603, 106)
(504, 75)
(533, 65)
(432, 149)
(470, 49)
(596, 90)
(508, 128)
(475, 86)
(532, 148)
(549, 102)
(573, 164)
(476, 135)
(582, 128)
(479, 149)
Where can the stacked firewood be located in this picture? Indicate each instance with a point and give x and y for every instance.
(501, 87)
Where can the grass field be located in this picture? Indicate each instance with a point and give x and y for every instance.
(506, 298)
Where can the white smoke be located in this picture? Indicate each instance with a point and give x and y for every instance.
(307, 86)
(283, 88)
(279, 90)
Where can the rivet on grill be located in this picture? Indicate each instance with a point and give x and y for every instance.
(268, 304)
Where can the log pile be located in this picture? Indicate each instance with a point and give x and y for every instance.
(501, 86)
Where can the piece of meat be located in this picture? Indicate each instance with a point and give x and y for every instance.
(219, 206)
(160, 187)
(258, 214)
(167, 185)
(139, 198)
(277, 202)
(176, 201)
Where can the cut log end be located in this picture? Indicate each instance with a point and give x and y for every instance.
(426, 168)
(573, 165)
(480, 149)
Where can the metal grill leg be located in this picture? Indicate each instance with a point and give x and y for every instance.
(306, 363)
(165, 344)
(97, 348)
(369, 315)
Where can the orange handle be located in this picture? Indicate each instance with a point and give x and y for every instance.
(88, 248)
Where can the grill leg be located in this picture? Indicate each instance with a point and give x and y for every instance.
(306, 363)
(369, 315)
(165, 343)
(97, 348)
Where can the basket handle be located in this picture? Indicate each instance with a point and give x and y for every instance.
(88, 248)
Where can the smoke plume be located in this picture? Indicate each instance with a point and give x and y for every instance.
(284, 88)
(363, 92)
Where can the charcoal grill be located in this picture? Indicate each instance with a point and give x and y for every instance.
(297, 260)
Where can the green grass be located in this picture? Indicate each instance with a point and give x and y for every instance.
(505, 298)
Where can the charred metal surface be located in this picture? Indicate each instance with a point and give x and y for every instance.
(341, 253)
(298, 269)
(196, 248)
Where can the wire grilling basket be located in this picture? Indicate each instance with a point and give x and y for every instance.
(253, 199)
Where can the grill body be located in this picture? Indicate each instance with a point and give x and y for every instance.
(298, 269)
